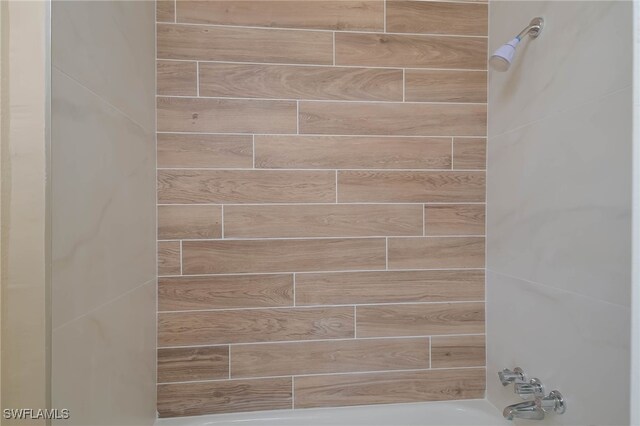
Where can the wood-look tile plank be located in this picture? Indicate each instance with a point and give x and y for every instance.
(209, 115)
(254, 325)
(226, 396)
(300, 82)
(284, 359)
(458, 351)
(388, 287)
(168, 257)
(210, 43)
(388, 387)
(176, 78)
(320, 14)
(420, 319)
(189, 222)
(238, 256)
(210, 151)
(352, 152)
(435, 252)
(225, 292)
(245, 186)
(165, 10)
(405, 119)
(470, 153)
(454, 219)
(445, 86)
(410, 186)
(410, 51)
(331, 220)
(406, 16)
(189, 364)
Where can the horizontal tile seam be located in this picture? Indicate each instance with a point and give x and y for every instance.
(339, 339)
(321, 340)
(333, 305)
(108, 302)
(307, 100)
(558, 289)
(402, 203)
(324, 272)
(376, 67)
(127, 116)
(561, 112)
(341, 373)
(366, 237)
(450, 171)
(323, 134)
(174, 132)
(325, 30)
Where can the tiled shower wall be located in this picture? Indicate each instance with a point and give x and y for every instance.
(321, 192)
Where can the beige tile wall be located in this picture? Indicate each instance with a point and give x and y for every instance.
(321, 190)
(103, 232)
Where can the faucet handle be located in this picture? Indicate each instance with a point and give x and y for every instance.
(553, 402)
(534, 389)
(508, 376)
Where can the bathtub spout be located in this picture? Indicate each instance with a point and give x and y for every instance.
(525, 410)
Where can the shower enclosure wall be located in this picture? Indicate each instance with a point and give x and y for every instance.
(559, 206)
(319, 187)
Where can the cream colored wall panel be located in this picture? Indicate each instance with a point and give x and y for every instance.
(105, 46)
(104, 362)
(103, 199)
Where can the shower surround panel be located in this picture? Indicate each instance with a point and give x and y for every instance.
(321, 190)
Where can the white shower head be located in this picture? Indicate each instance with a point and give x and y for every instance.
(503, 56)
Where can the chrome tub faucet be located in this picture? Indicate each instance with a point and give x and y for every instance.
(537, 404)
(536, 409)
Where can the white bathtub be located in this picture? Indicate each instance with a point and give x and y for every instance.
(449, 413)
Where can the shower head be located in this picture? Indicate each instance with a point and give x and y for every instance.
(503, 56)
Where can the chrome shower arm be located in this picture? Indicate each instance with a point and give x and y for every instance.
(533, 29)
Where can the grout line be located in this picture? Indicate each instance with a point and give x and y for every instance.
(424, 220)
(364, 237)
(302, 307)
(95, 309)
(343, 271)
(452, 155)
(321, 30)
(355, 321)
(403, 370)
(294, 289)
(386, 253)
(404, 84)
(486, 244)
(384, 16)
(323, 135)
(346, 101)
(324, 65)
(339, 339)
(253, 147)
(400, 203)
(334, 48)
(319, 170)
(222, 221)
